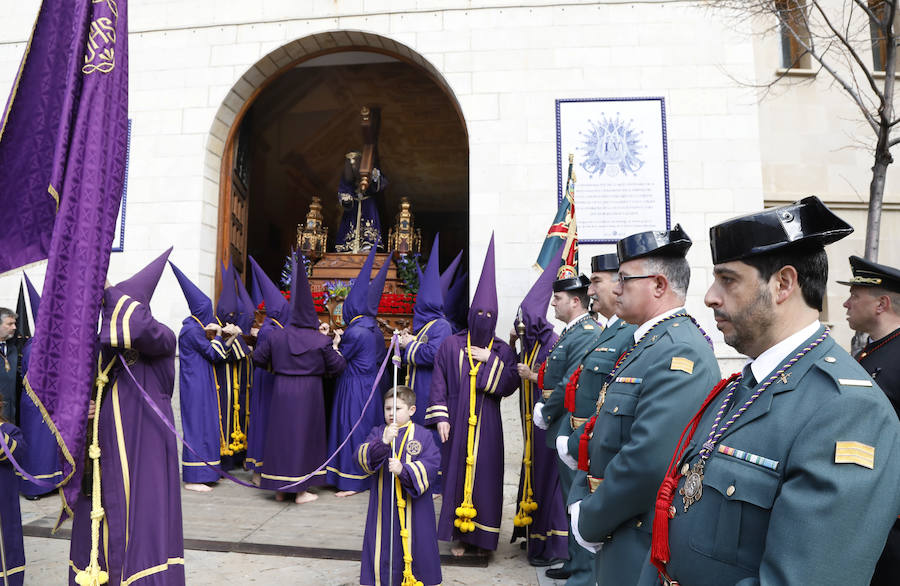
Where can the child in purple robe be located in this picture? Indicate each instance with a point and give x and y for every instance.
(12, 563)
(402, 454)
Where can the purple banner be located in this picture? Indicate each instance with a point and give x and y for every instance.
(73, 89)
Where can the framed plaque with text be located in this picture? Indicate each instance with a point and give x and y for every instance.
(621, 165)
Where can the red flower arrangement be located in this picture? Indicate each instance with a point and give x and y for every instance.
(393, 303)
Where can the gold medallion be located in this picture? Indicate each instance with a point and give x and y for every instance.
(602, 398)
(413, 448)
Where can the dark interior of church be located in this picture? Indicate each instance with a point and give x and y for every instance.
(298, 130)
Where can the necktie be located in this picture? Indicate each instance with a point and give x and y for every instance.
(3, 348)
(744, 390)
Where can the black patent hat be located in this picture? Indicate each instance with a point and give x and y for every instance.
(604, 262)
(807, 221)
(871, 274)
(574, 284)
(672, 243)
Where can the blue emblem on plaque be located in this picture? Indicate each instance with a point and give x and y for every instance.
(612, 146)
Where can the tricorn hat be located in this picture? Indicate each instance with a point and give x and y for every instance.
(871, 274)
(807, 222)
(604, 262)
(575, 284)
(672, 243)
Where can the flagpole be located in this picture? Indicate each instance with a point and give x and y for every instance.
(395, 359)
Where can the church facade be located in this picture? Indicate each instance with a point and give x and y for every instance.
(468, 92)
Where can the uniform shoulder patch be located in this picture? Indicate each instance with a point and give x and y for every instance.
(682, 364)
(847, 452)
(588, 327)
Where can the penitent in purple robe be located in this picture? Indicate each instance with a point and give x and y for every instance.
(277, 314)
(141, 489)
(496, 378)
(421, 459)
(12, 563)
(295, 438)
(199, 400)
(546, 536)
(197, 386)
(362, 346)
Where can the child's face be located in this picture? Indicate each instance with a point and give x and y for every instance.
(404, 411)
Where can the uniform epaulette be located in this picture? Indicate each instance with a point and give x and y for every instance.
(846, 374)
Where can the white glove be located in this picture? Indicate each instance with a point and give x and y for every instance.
(574, 512)
(562, 448)
(538, 417)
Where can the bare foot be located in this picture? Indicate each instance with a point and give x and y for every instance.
(436, 496)
(305, 497)
(345, 493)
(197, 487)
(457, 549)
(279, 496)
(257, 478)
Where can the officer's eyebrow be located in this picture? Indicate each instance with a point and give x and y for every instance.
(725, 271)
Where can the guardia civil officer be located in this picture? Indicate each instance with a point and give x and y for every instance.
(785, 479)
(651, 390)
(570, 303)
(874, 308)
(583, 386)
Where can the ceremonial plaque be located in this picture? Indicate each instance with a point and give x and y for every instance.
(621, 163)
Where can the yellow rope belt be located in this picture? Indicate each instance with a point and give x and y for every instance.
(408, 578)
(92, 575)
(527, 504)
(237, 436)
(465, 513)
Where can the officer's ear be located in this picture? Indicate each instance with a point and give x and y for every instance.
(786, 283)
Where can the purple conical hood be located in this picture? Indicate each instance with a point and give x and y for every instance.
(357, 301)
(447, 275)
(256, 294)
(246, 308)
(142, 285)
(376, 287)
(276, 304)
(227, 305)
(199, 304)
(482, 317)
(534, 306)
(303, 311)
(33, 297)
(429, 300)
(455, 307)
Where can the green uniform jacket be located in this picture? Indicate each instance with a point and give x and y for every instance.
(563, 359)
(597, 363)
(822, 515)
(655, 392)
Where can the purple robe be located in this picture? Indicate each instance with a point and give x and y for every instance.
(260, 399)
(198, 359)
(547, 535)
(420, 466)
(419, 357)
(295, 438)
(496, 378)
(41, 460)
(141, 489)
(12, 565)
(362, 346)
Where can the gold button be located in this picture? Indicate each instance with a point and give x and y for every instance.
(675, 325)
(596, 368)
(830, 359)
(730, 490)
(639, 523)
(685, 469)
(616, 410)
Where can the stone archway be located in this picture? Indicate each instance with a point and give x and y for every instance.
(224, 183)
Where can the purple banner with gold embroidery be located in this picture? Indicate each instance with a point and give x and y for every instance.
(62, 167)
